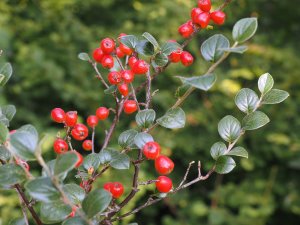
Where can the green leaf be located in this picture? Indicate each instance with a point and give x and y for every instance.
(126, 139)
(129, 40)
(92, 160)
(119, 161)
(275, 96)
(105, 155)
(246, 100)
(161, 59)
(265, 83)
(174, 118)
(151, 39)
(210, 48)
(96, 202)
(8, 111)
(20, 221)
(4, 153)
(145, 118)
(5, 73)
(42, 189)
(84, 56)
(170, 47)
(204, 82)
(238, 151)
(4, 120)
(225, 164)
(65, 163)
(54, 212)
(255, 120)
(244, 29)
(11, 174)
(110, 90)
(74, 221)
(3, 133)
(141, 139)
(229, 128)
(239, 49)
(217, 150)
(24, 142)
(51, 165)
(145, 48)
(74, 193)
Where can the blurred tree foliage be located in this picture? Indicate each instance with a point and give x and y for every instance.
(43, 37)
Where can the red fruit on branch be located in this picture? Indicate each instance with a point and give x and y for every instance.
(92, 121)
(107, 45)
(127, 76)
(71, 118)
(123, 89)
(151, 150)
(218, 17)
(60, 146)
(204, 5)
(140, 67)
(119, 53)
(174, 57)
(195, 12)
(164, 165)
(58, 115)
(186, 58)
(186, 30)
(115, 188)
(102, 113)
(126, 50)
(130, 106)
(79, 132)
(107, 61)
(98, 55)
(87, 145)
(114, 77)
(131, 61)
(79, 160)
(164, 184)
(202, 19)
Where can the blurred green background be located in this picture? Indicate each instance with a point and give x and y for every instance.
(42, 38)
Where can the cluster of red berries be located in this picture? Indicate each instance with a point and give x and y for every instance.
(184, 57)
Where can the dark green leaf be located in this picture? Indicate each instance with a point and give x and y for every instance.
(110, 90)
(105, 155)
(161, 59)
(244, 29)
(265, 83)
(74, 221)
(51, 165)
(8, 111)
(4, 120)
(126, 139)
(151, 39)
(96, 202)
(4, 153)
(170, 47)
(74, 193)
(119, 161)
(217, 150)
(211, 48)
(238, 151)
(225, 164)
(204, 82)
(239, 49)
(145, 48)
(5, 73)
(84, 56)
(65, 163)
(174, 118)
(129, 40)
(3, 133)
(11, 174)
(141, 139)
(255, 120)
(246, 100)
(54, 212)
(145, 118)
(275, 96)
(92, 160)
(229, 128)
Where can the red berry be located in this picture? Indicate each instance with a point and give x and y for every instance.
(79, 132)
(186, 30)
(131, 61)
(130, 106)
(174, 57)
(122, 35)
(218, 17)
(195, 12)
(119, 53)
(202, 19)
(23, 163)
(127, 76)
(123, 89)
(98, 55)
(126, 50)
(92, 121)
(102, 113)
(140, 67)
(107, 45)
(79, 160)
(204, 5)
(186, 58)
(87, 145)
(58, 115)
(115, 188)
(107, 61)
(114, 77)
(164, 184)
(164, 165)
(60, 146)
(73, 213)
(71, 118)
(151, 150)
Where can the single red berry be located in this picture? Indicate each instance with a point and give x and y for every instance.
(218, 17)
(73, 213)
(115, 188)
(204, 5)
(92, 121)
(71, 118)
(130, 106)
(123, 89)
(23, 163)
(87, 145)
(186, 58)
(164, 165)
(98, 55)
(114, 77)
(164, 184)
(107, 61)
(151, 150)
(119, 53)
(58, 115)
(127, 76)
(60, 146)
(186, 30)
(131, 61)
(195, 12)
(107, 45)
(126, 50)
(79, 132)
(174, 57)
(108, 185)
(79, 160)
(102, 113)
(140, 67)
(202, 19)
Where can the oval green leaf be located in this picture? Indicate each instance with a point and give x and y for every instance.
(246, 100)
(54, 212)
(204, 82)
(173, 119)
(265, 83)
(141, 139)
(244, 29)
(255, 120)
(238, 151)
(218, 149)
(275, 96)
(145, 118)
(126, 139)
(229, 128)
(211, 49)
(11, 174)
(225, 164)
(65, 163)
(74, 193)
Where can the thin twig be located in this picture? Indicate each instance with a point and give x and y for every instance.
(148, 90)
(93, 140)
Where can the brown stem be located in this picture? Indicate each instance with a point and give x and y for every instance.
(148, 90)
